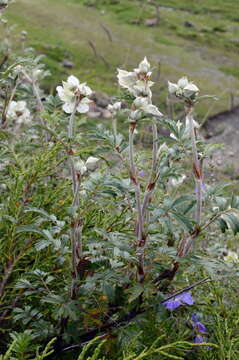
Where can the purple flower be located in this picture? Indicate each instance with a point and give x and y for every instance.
(204, 188)
(142, 173)
(199, 329)
(199, 339)
(197, 325)
(181, 299)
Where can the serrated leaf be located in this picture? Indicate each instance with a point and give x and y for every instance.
(185, 221)
(232, 221)
(135, 292)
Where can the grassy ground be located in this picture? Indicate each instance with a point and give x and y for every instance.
(206, 51)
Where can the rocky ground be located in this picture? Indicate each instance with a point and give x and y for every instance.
(223, 128)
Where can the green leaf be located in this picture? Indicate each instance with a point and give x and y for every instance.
(186, 222)
(135, 292)
(232, 221)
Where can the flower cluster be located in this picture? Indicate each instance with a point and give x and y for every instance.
(18, 111)
(184, 298)
(138, 84)
(184, 89)
(199, 329)
(3, 4)
(115, 108)
(74, 95)
(83, 166)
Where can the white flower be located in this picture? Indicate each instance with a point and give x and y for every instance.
(135, 115)
(231, 257)
(72, 91)
(178, 181)
(183, 88)
(114, 108)
(190, 90)
(172, 88)
(19, 112)
(137, 82)
(3, 4)
(144, 67)
(92, 163)
(80, 166)
(162, 149)
(17, 70)
(183, 82)
(126, 79)
(143, 103)
(187, 125)
(142, 88)
(152, 110)
(179, 125)
(37, 74)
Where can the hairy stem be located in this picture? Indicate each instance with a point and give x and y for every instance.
(140, 222)
(153, 175)
(76, 230)
(197, 169)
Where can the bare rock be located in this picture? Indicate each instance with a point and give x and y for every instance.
(135, 21)
(151, 22)
(101, 100)
(106, 114)
(189, 24)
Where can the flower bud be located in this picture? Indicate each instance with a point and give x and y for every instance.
(183, 82)
(3, 4)
(162, 149)
(172, 88)
(144, 66)
(80, 167)
(190, 90)
(92, 163)
(114, 108)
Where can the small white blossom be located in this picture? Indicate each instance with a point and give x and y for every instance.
(162, 149)
(183, 82)
(144, 67)
(142, 88)
(92, 163)
(18, 111)
(3, 4)
(231, 257)
(137, 82)
(142, 103)
(70, 91)
(115, 108)
(178, 181)
(179, 125)
(37, 74)
(135, 115)
(80, 166)
(190, 90)
(183, 89)
(172, 88)
(126, 79)
(17, 70)
(187, 125)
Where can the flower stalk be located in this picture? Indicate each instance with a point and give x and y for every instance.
(197, 168)
(140, 222)
(76, 229)
(153, 175)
